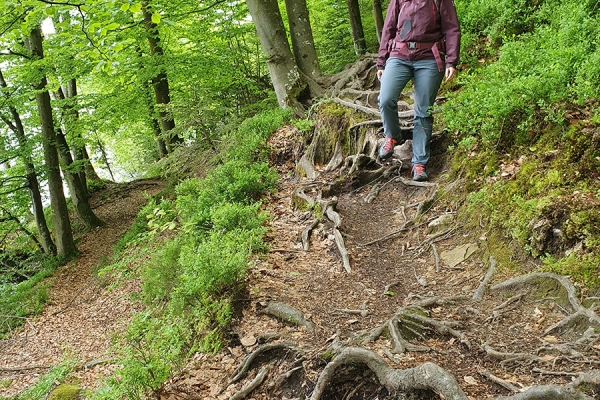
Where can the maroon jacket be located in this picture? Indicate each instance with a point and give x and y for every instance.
(424, 23)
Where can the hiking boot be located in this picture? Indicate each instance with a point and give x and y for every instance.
(418, 173)
(388, 148)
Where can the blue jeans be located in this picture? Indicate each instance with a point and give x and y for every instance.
(427, 81)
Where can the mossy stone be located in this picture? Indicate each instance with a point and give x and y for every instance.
(66, 392)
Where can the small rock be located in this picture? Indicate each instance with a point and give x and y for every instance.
(442, 220)
(248, 341)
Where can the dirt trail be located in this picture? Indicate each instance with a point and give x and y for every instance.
(495, 347)
(81, 314)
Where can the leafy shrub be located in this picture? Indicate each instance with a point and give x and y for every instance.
(189, 283)
(162, 273)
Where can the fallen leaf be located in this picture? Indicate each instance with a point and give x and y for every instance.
(547, 357)
(551, 339)
(470, 380)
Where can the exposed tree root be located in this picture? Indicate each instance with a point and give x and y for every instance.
(509, 357)
(410, 322)
(544, 281)
(242, 369)
(339, 240)
(548, 392)
(561, 290)
(306, 234)
(256, 382)
(288, 314)
(480, 291)
(506, 385)
(427, 376)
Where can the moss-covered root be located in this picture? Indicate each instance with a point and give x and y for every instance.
(560, 288)
(427, 376)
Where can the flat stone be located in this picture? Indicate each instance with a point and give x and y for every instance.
(454, 257)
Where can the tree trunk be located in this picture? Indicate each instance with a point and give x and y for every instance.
(160, 81)
(80, 154)
(32, 180)
(358, 34)
(60, 215)
(160, 143)
(77, 187)
(79, 194)
(284, 72)
(90, 172)
(378, 16)
(303, 43)
(70, 115)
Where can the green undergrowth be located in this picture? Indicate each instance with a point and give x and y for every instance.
(20, 298)
(526, 129)
(543, 198)
(47, 382)
(200, 245)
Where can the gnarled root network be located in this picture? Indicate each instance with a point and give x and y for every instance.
(427, 376)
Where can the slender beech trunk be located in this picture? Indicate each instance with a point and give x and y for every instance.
(77, 187)
(80, 153)
(155, 124)
(284, 72)
(303, 43)
(160, 81)
(60, 216)
(378, 16)
(358, 34)
(32, 181)
(70, 115)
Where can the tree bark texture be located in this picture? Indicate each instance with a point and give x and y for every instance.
(378, 16)
(285, 75)
(160, 81)
(154, 123)
(77, 186)
(358, 33)
(303, 43)
(60, 216)
(80, 154)
(32, 181)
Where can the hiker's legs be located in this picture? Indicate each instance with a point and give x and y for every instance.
(396, 75)
(427, 83)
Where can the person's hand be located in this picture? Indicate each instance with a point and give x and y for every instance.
(450, 72)
(379, 73)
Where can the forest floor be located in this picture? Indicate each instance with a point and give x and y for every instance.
(82, 313)
(509, 340)
(409, 298)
